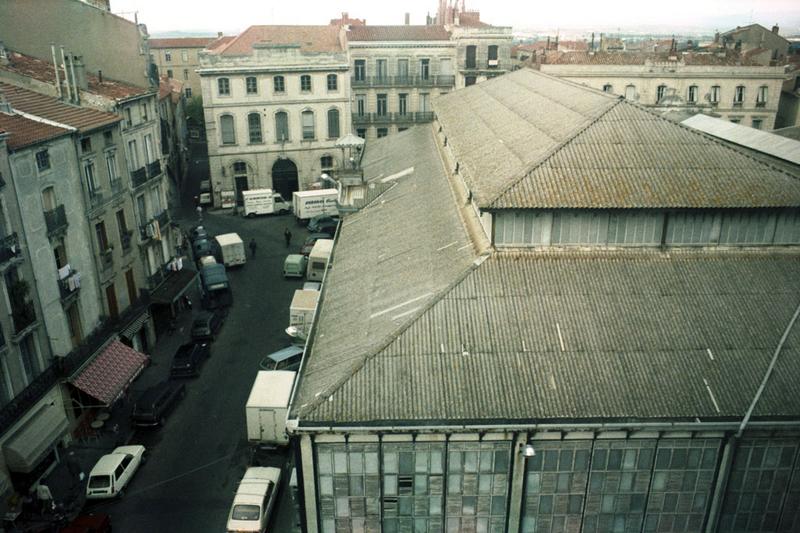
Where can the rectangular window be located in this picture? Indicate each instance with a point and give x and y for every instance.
(402, 104)
(169, 73)
(188, 92)
(361, 132)
(102, 237)
(223, 87)
(492, 54)
(402, 69)
(758, 123)
(128, 117)
(333, 82)
(122, 225)
(326, 164)
(31, 363)
(305, 83)
(167, 56)
(360, 69)
(361, 105)
(86, 145)
(738, 95)
(349, 486)
(91, 179)
(227, 131)
(42, 160)
(108, 138)
(281, 126)
(149, 154)
(133, 155)
(413, 486)
(254, 127)
(382, 105)
(381, 70)
(471, 53)
(144, 111)
(383, 132)
(185, 56)
(141, 209)
(333, 124)
(424, 102)
(278, 84)
(761, 97)
(186, 74)
(251, 83)
(692, 96)
(714, 94)
(308, 125)
(425, 69)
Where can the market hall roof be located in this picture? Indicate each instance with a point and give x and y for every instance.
(529, 140)
(309, 38)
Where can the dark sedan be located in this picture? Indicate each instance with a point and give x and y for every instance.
(188, 359)
(153, 405)
(206, 325)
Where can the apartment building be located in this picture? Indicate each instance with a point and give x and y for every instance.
(276, 99)
(723, 83)
(179, 58)
(583, 343)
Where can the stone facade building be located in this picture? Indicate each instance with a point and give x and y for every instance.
(276, 99)
(722, 84)
(581, 344)
(754, 38)
(179, 58)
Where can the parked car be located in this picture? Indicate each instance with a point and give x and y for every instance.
(294, 266)
(188, 358)
(308, 245)
(288, 358)
(206, 325)
(202, 247)
(316, 223)
(153, 405)
(254, 499)
(113, 471)
(88, 523)
(198, 233)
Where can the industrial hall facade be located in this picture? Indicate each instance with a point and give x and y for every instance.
(562, 313)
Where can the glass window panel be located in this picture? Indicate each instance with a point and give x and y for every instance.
(405, 505)
(340, 462)
(532, 482)
(455, 461)
(421, 461)
(485, 483)
(614, 459)
(390, 462)
(436, 462)
(406, 463)
(356, 463)
(324, 463)
(420, 484)
(501, 458)
(550, 460)
(390, 485)
(471, 462)
(468, 504)
(326, 485)
(454, 484)
(356, 486)
(342, 507)
(565, 460)
(435, 506)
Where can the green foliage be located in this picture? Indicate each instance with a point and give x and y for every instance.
(194, 109)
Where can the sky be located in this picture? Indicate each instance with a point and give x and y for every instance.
(232, 16)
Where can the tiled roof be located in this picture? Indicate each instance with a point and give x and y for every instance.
(310, 39)
(47, 107)
(398, 33)
(44, 71)
(24, 132)
(730, 58)
(408, 264)
(169, 87)
(620, 336)
(181, 42)
(530, 140)
(220, 42)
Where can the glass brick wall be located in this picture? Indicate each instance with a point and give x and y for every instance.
(413, 487)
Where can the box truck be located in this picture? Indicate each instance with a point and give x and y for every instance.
(318, 259)
(264, 202)
(308, 204)
(215, 289)
(301, 311)
(267, 405)
(231, 249)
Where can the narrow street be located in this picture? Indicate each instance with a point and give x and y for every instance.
(195, 462)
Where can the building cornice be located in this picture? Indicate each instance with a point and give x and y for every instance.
(402, 44)
(256, 69)
(276, 103)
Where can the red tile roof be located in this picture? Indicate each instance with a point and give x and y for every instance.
(169, 87)
(38, 69)
(107, 377)
(50, 108)
(398, 33)
(310, 39)
(220, 42)
(181, 42)
(24, 132)
(731, 58)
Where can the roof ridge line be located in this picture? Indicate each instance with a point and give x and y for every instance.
(321, 397)
(550, 153)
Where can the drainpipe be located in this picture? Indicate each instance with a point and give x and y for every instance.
(74, 81)
(66, 74)
(55, 67)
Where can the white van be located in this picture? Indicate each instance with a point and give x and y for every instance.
(254, 499)
(113, 471)
(264, 202)
(318, 259)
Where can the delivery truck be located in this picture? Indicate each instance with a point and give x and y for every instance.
(264, 202)
(308, 204)
(301, 311)
(318, 259)
(231, 249)
(266, 408)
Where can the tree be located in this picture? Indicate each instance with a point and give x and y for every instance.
(194, 110)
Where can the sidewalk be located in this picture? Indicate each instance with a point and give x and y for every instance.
(83, 454)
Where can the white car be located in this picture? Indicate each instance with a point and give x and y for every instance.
(254, 499)
(113, 471)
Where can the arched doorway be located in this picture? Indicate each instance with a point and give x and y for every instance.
(284, 177)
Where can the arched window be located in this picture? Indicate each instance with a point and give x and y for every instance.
(254, 128)
(223, 87)
(608, 88)
(333, 123)
(333, 82)
(48, 199)
(308, 125)
(227, 130)
(281, 126)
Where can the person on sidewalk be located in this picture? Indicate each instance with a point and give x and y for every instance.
(200, 213)
(253, 246)
(288, 236)
(45, 498)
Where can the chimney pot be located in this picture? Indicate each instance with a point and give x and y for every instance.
(219, 34)
(408, 19)
(775, 29)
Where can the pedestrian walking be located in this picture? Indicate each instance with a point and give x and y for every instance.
(200, 213)
(45, 497)
(288, 236)
(253, 248)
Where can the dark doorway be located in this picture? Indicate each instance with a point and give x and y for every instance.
(470, 59)
(241, 186)
(284, 177)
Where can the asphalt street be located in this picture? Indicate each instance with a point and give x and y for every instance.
(196, 461)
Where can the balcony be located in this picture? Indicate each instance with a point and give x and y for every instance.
(117, 187)
(761, 104)
(737, 104)
(69, 285)
(9, 248)
(23, 313)
(154, 169)
(163, 219)
(67, 365)
(441, 80)
(56, 220)
(96, 198)
(139, 177)
(107, 258)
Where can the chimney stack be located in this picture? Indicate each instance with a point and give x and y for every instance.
(408, 19)
(3, 54)
(80, 72)
(775, 29)
(219, 34)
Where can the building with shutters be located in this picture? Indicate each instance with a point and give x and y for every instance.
(276, 99)
(556, 314)
(179, 58)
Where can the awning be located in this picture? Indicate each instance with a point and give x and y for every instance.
(34, 439)
(173, 287)
(136, 324)
(111, 372)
